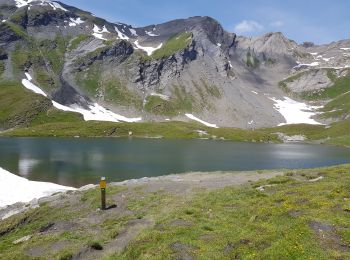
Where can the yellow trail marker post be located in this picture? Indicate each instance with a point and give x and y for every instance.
(103, 185)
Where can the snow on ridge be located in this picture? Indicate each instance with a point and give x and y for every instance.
(95, 112)
(295, 112)
(56, 5)
(345, 49)
(149, 50)
(53, 4)
(121, 35)
(14, 189)
(190, 116)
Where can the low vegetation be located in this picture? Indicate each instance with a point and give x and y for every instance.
(172, 45)
(44, 57)
(77, 40)
(340, 86)
(169, 130)
(108, 88)
(22, 108)
(336, 133)
(301, 214)
(252, 61)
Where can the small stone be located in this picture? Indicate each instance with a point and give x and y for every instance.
(21, 240)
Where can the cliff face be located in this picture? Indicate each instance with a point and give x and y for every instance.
(161, 71)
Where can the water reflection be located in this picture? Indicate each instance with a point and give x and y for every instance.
(26, 165)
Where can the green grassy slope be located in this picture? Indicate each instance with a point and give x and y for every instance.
(22, 108)
(290, 218)
(333, 134)
(172, 45)
(168, 130)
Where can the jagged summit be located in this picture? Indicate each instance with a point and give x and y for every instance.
(168, 71)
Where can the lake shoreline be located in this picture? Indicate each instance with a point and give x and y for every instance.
(189, 181)
(204, 201)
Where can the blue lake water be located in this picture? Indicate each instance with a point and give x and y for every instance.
(76, 162)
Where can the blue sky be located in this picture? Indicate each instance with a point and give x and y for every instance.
(319, 21)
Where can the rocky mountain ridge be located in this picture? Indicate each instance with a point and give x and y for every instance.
(167, 71)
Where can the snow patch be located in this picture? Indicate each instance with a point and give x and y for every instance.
(190, 116)
(313, 64)
(75, 22)
(133, 32)
(14, 189)
(313, 53)
(316, 179)
(148, 50)
(95, 112)
(345, 49)
(120, 34)
(150, 33)
(218, 44)
(98, 33)
(28, 76)
(256, 93)
(164, 97)
(295, 112)
(29, 85)
(327, 59)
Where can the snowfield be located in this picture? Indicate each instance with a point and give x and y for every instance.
(190, 116)
(96, 112)
(53, 4)
(295, 112)
(148, 50)
(14, 189)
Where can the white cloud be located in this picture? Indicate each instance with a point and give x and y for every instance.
(277, 24)
(248, 26)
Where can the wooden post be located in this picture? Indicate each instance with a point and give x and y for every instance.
(103, 185)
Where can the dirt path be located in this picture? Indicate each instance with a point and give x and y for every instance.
(92, 222)
(178, 184)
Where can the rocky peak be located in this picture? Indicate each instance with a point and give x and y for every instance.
(272, 44)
